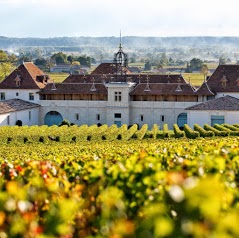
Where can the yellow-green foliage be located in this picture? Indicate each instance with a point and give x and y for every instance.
(154, 131)
(141, 133)
(165, 188)
(190, 133)
(165, 131)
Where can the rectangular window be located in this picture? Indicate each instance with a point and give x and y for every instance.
(216, 119)
(162, 118)
(141, 117)
(117, 96)
(29, 115)
(2, 96)
(118, 123)
(77, 116)
(8, 120)
(98, 117)
(31, 96)
(117, 115)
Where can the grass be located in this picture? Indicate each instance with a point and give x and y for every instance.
(58, 77)
(196, 79)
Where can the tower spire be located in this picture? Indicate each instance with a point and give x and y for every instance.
(120, 46)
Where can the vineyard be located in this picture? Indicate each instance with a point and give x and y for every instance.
(90, 181)
(74, 134)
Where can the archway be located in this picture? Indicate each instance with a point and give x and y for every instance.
(53, 118)
(182, 119)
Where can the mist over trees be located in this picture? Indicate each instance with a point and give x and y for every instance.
(152, 53)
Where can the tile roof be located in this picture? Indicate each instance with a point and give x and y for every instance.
(163, 89)
(13, 105)
(204, 90)
(137, 78)
(74, 88)
(107, 68)
(226, 103)
(31, 77)
(228, 74)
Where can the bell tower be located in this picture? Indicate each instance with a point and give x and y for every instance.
(120, 63)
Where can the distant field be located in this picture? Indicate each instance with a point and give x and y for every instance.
(196, 79)
(58, 77)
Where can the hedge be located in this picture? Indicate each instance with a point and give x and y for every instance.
(203, 132)
(178, 133)
(190, 133)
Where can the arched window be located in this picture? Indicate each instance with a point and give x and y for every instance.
(182, 119)
(53, 118)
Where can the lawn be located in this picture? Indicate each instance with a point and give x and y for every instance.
(58, 77)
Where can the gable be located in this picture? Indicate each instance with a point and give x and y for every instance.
(25, 76)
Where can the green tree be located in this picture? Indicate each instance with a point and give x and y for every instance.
(147, 65)
(40, 62)
(59, 58)
(5, 65)
(85, 60)
(164, 59)
(5, 69)
(194, 65)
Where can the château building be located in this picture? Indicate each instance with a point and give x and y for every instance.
(111, 94)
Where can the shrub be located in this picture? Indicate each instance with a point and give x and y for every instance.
(141, 133)
(155, 131)
(190, 133)
(65, 122)
(215, 131)
(130, 132)
(18, 123)
(231, 127)
(203, 132)
(222, 129)
(165, 131)
(177, 132)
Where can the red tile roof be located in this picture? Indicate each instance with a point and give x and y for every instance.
(31, 77)
(226, 103)
(228, 72)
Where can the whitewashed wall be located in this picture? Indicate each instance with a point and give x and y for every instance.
(21, 115)
(87, 111)
(204, 117)
(153, 111)
(235, 95)
(22, 94)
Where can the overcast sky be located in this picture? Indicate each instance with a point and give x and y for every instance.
(52, 18)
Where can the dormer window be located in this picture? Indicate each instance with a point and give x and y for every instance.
(17, 81)
(224, 81)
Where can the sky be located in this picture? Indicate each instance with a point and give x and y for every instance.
(67, 18)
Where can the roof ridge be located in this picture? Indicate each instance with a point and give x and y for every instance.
(31, 74)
